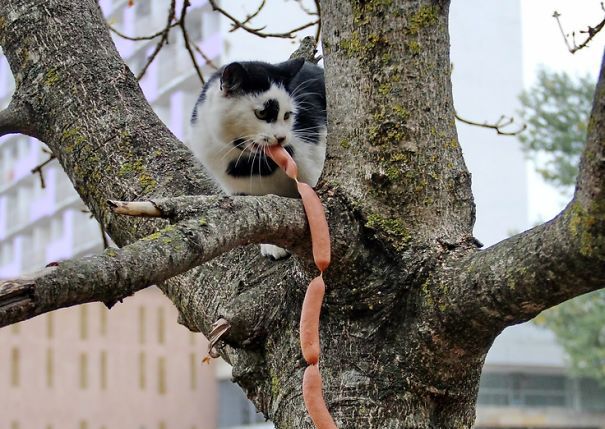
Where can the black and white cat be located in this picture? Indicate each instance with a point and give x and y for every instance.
(247, 105)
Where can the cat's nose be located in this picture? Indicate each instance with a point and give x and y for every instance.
(280, 139)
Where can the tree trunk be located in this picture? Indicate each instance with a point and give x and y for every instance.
(412, 305)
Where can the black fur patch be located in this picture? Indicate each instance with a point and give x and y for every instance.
(308, 90)
(270, 110)
(239, 143)
(250, 166)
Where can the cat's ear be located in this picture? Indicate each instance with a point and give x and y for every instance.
(291, 67)
(232, 78)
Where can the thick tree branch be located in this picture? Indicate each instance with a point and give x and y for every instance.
(220, 224)
(14, 119)
(516, 279)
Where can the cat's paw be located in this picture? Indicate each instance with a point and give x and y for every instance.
(273, 252)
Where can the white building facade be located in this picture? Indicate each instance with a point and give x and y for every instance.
(135, 360)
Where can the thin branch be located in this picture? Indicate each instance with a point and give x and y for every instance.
(135, 208)
(39, 167)
(142, 38)
(163, 40)
(182, 22)
(205, 57)
(498, 126)
(590, 32)
(249, 18)
(258, 31)
(220, 224)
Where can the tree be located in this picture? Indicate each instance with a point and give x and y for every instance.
(413, 306)
(556, 110)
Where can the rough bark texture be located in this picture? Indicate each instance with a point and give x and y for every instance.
(412, 305)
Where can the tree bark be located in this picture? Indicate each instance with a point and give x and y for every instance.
(412, 305)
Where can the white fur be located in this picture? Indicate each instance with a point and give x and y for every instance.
(222, 119)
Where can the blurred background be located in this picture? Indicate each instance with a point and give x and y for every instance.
(135, 367)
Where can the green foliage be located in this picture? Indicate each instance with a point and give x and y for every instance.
(556, 111)
(579, 325)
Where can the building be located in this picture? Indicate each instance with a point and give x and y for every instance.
(87, 367)
(136, 361)
(525, 384)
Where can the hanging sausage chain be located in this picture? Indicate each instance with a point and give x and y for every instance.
(311, 308)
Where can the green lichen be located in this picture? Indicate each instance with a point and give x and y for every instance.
(363, 10)
(51, 77)
(413, 46)
(72, 138)
(580, 222)
(202, 221)
(394, 229)
(360, 46)
(426, 16)
(345, 144)
(388, 125)
(160, 234)
(148, 183)
(111, 252)
(137, 168)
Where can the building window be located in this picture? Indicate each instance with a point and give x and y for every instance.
(141, 325)
(15, 379)
(83, 371)
(592, 395)
(524, 390)
(83, 322)
(161, 325)
(193, 363)
(49, 368)
(103, 370)
(103, 320)
(50, 326)
(162, 376)
(234, 408)
(142, 378)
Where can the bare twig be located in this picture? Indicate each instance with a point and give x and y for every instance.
(205, 57)
(182, 21)
(502, 122)
(258, 31)
(135, 208)
(249, 18)
(141, 38)
(590, 33)
(39, 167)
(163, 40)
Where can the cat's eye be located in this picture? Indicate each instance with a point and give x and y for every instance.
(287, 115)
(260, 114)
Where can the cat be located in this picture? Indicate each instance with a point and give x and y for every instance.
(245, 106)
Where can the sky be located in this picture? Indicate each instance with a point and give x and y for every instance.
(543, 45)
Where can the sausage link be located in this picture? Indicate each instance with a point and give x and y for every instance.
(283, 159)
(314, 401)
(309, 320)
(320, 234)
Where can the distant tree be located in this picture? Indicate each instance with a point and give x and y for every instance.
(556, 110)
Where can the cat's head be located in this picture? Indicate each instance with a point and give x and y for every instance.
(259, 111)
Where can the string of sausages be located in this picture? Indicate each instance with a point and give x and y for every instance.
(309, 319)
